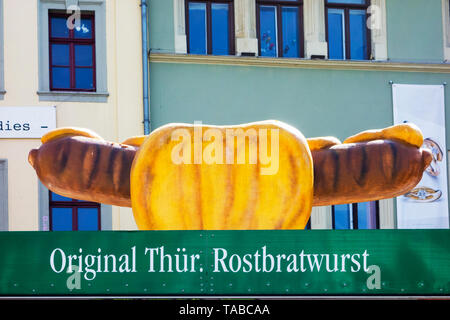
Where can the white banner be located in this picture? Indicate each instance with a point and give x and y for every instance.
(426, 206)
(26, 122)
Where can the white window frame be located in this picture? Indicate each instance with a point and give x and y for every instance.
(314, 28)
(321, 218)
(98, 7)
(179, 26)
(377, 11)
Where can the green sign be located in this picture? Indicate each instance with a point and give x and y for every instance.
(310, 262)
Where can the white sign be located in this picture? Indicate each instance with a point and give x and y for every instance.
(426, 206)
(26, 122)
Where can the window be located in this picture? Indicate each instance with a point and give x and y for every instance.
(72, 54)
(96, 11)
(308, 225)
(347, 34)
(210, 27)
(70, 214)
(280, 28)
(363, 215)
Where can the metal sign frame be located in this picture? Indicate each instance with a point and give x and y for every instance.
(371, 263)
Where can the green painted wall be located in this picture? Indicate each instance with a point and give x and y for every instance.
(317, 102)
(414, 30)
(161, 26)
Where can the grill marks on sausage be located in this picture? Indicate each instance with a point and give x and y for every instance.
(389, 162)
(114, 168)
(91, 163)
(125, 173)
(334, 155)
(326, 169)
(62, 157)
(371, 170)
(360, 175)
(117, 171)
(88, 168)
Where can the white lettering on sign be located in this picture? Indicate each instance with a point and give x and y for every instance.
(26, 122)
(161, 259)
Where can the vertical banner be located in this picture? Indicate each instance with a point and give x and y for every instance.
(426, 206)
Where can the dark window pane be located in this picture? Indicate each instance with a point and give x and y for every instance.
(57, 197)
(290, 32)
(268, 31)
(88, 219)
(367, 215)
(84, 78)
(60, 54)
(197, 28)
(336, 34)
(342, 216)
(358, 35)
(84, 31)
(60, 78)
(308, 225)
(83, 55)
(219, 26)
(348, 1)
(61, 219)
(59, 28)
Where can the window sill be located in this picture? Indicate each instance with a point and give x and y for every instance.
(72, 96)
(367, 65)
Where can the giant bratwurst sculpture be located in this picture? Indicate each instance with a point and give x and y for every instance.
(262, 175)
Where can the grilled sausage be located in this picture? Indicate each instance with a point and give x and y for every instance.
(85, 168)
(366, 171)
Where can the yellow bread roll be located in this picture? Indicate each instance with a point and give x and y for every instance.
(322, 143)
(186, 194)
(406, 132)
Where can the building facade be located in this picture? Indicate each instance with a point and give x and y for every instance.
(324, 66)
(91, 74)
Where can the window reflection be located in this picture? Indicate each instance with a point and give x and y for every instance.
(280, 28)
